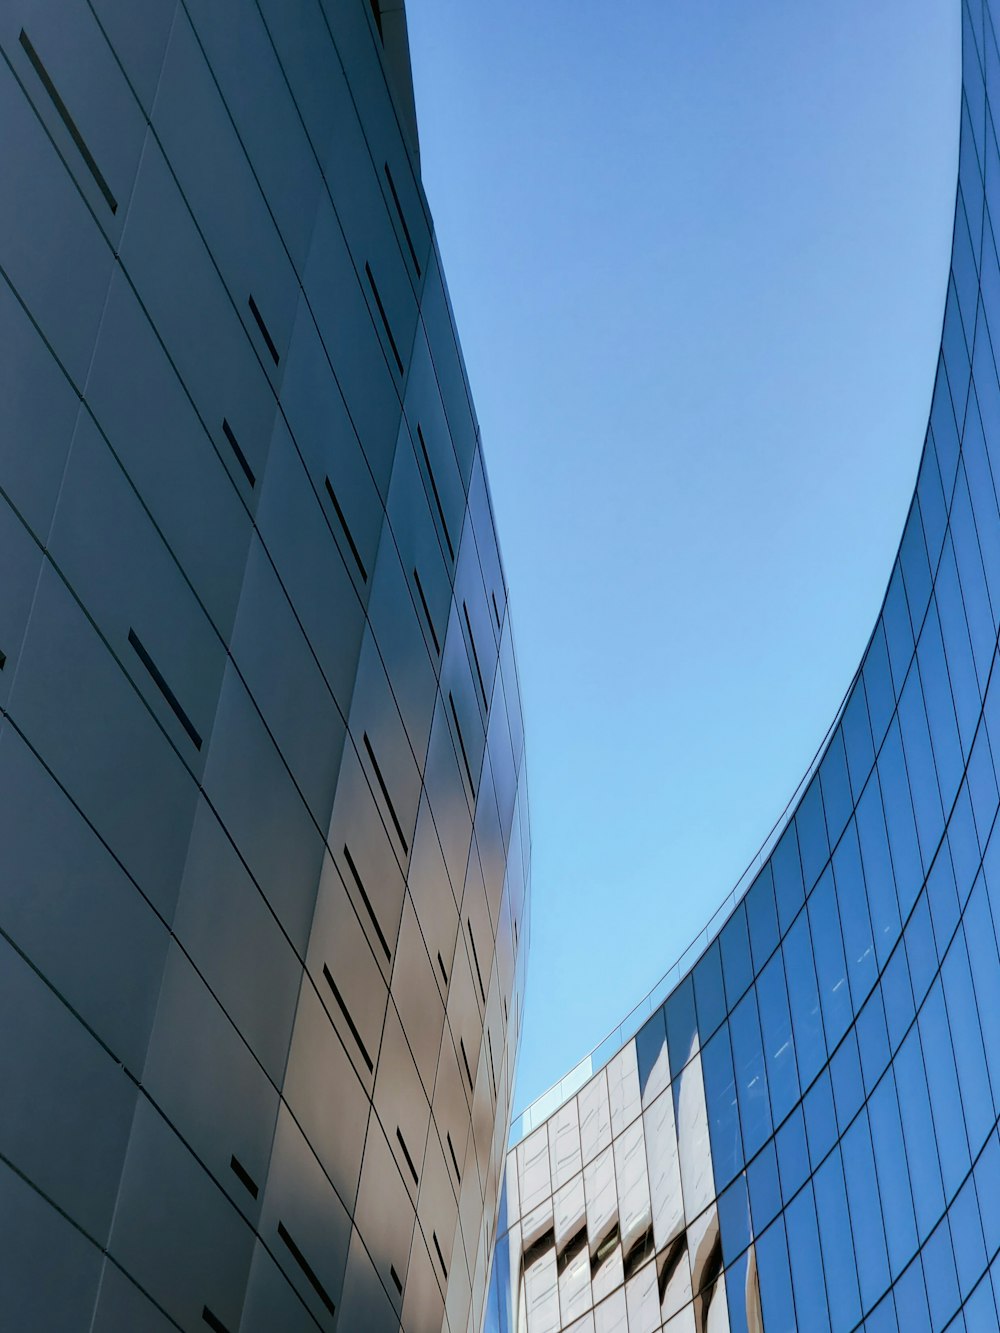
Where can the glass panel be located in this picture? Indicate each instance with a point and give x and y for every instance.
(848, 1087)
(940, 708)
(857, 740)
(958, 649)
(963, 842)
(736, 967)
(786, 868)
(836, 1243)
(911, 1300)
(803, 998)
(921, 774)
(932, 506)
(623, 1088)
(821, 1118)
(813, 843)
(831, 970)
(920, 951)
(940, 1276)
(807, 1263)
(985, 965)
(734, 1219)
(837, 800)
(902, 830)
(982, 784)
(651, 1058)
(986, 1174)
(946, 1102)
(693, 1139)
(897, 996)
(918, 1133)
(751, 1082)
(852, 896)
(762, 918)
(793, 1153)
(913, 558)
(873, 1039)
(898, 634)
(595, 1117)
(564, 1144)
(776, 1030)
(878, 685)
(765, 1190)
(942, 899)
(967, 1041)
(775, 1286)
(882, 902)
(893, 1174)
(664, 1170)
(682, 1028)
(866, 1211)
(966, 1228)
(635, 1217)
(723, 1116)
(709, 991)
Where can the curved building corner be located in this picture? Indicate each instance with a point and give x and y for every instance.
(803, 1134)
(265, 846)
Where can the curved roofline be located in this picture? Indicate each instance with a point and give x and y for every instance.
(543, 1106)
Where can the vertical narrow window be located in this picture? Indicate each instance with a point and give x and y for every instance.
(437, 1247)
(238, 453)
(465, 1061)
(264, 331)
(454, 1159)
(307, 1268)
(406, 1154)
(328, 975)
(385, 795)
(461, 742)
(401, 215)
(346, 531)
(475, 655)
(435, 492)
(427, 612)
(385, 319)
(367, 902)
(377, 16)
(475, 959)
(164, 689)
(63, 112)
(243, 1176)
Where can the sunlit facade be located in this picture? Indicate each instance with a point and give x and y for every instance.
(263, 831)
(804, 1135)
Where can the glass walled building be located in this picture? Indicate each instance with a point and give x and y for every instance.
(803, 1135)
(263, 828)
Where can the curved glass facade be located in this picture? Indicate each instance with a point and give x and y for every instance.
(804, 1135)
(263, 821)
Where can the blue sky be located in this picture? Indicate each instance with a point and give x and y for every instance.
(697, 255)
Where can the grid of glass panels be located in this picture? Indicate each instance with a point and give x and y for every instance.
(265, 845)
(805, 1135)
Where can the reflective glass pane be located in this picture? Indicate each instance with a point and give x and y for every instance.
(751, 1081)
(807, 1263)
(803, 999)
(836, 1244)
(831, 969)
(762, 918)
